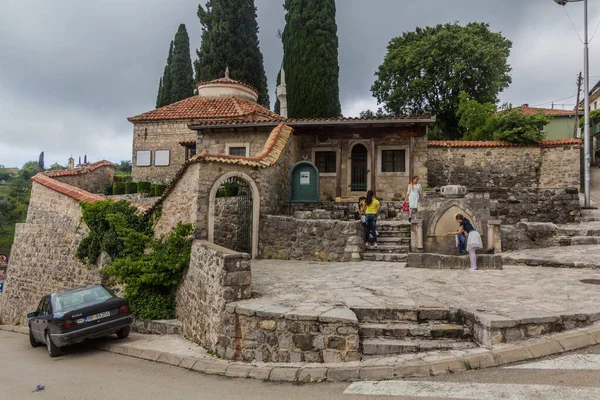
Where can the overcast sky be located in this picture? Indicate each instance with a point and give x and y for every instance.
(72, 71)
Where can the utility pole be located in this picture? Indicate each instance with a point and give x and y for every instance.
(579, 82)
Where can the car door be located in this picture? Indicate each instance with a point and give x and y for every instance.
(35, 321)
(43, 318)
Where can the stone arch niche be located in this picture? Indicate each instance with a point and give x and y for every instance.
(254, 193)
(444, 220)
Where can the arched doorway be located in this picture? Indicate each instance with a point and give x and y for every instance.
(359, 168)
(304, 183)
(234, 212)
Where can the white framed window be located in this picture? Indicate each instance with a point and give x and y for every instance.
(143, 158)
(393, 160)
(238, 149)
(325, 159)
(162, 158)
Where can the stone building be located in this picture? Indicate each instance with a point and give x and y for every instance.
(352, 155)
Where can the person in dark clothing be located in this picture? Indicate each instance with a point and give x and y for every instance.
(597, 156)
(473, 238)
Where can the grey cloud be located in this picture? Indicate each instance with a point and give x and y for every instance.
(71, 72)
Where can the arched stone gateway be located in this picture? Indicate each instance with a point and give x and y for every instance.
(234, 213)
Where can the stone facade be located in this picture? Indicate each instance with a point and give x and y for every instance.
(160, 135)
(227, 220)
(312, 240)
(92, 181)
(216, 276)
(505, 167)
(388, 185)
(277, 334)
(43, 254)
(219, 142)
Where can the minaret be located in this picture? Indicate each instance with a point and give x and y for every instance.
(282, 96)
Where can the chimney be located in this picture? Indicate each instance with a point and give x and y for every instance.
(282, 96)
(71, 163)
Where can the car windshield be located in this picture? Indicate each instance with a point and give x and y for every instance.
(80, 298)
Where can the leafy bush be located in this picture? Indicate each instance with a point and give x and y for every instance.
(144, 187)
(130, 187)
(107, 189)
(159, 189)
(123, 178)
(150, 268)
(118, 188)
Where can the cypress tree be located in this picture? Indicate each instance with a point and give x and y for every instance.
(164, 92)
(160, 94)
(180, 69)
(41, 160)
(230, 39)
(310, 59)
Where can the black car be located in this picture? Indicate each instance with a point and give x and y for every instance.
(77, 314)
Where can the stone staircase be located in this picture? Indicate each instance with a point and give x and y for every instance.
(397, 331)
(586, 233)
(393, 242)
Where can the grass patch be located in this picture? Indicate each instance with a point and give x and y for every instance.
(7, 236)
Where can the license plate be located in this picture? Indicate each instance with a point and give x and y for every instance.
(97, 316)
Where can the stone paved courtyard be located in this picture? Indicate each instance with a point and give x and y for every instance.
(517, 292)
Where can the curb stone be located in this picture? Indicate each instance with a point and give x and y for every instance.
(501, 354)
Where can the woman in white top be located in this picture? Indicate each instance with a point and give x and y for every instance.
(413, 194)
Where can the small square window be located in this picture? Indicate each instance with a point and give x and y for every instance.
(237, 151)
(142, 158)
(162, 158)
(393, 161)
(325, 161)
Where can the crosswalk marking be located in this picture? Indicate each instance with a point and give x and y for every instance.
(589, 362)
(479, 391)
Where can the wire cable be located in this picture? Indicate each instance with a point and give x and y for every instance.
(568, 16)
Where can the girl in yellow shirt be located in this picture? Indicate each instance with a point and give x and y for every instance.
(371, 210)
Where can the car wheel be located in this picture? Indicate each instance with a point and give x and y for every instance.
(53, 350)
(123, 333)
(32, 341)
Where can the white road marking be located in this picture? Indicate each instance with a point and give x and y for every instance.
(479, 391)
(589, 362)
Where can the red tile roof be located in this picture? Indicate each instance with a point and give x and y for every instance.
(66, 189)
(269, 156)
(547, 111)
(201, 108)
(83, 169)
(315, 120)
(498, 143)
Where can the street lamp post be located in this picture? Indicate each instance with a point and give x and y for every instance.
(586, 89)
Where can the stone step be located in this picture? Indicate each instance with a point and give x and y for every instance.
(385, 346)
(393, 239)
(387, 257)
(388, 248)
(590, 219)
(576, 240)
(401, 330)
(578, 230)
(404, 315)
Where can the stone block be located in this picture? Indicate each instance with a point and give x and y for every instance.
(216, 367)
(508, 354)
(574, 340)
(309, 375)
(150, 355)
(284, 374)
(343, 315)
(274, 312)
(446, 365)
(594, 332)
(478, 361)
(376, 373)
(336, 342)
(412, 370)
(343, 374)
(259, 373)
(331, 356)
(195, 364)
(544, 348)
(268, 325)
(238, 371)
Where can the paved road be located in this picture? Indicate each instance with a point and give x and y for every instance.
(86, 374)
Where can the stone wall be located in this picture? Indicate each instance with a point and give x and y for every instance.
(137, 198)
(161, 135)
(502, 167)
(92, 181)
(215, 277)
(216, 142)
(181, 205)
(312, 240)
(279, 334)
(226, 222)
(43, 254)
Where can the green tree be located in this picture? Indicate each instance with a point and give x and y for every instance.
(516, 127)
(370, 114)
(124, 167)
(425, 71)
(181, 71)
(41, 160)
(56, 167)
(159, 96)
(4, 174)
(164, 91)
(310, 59)
(476, 120)
(230, 39)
